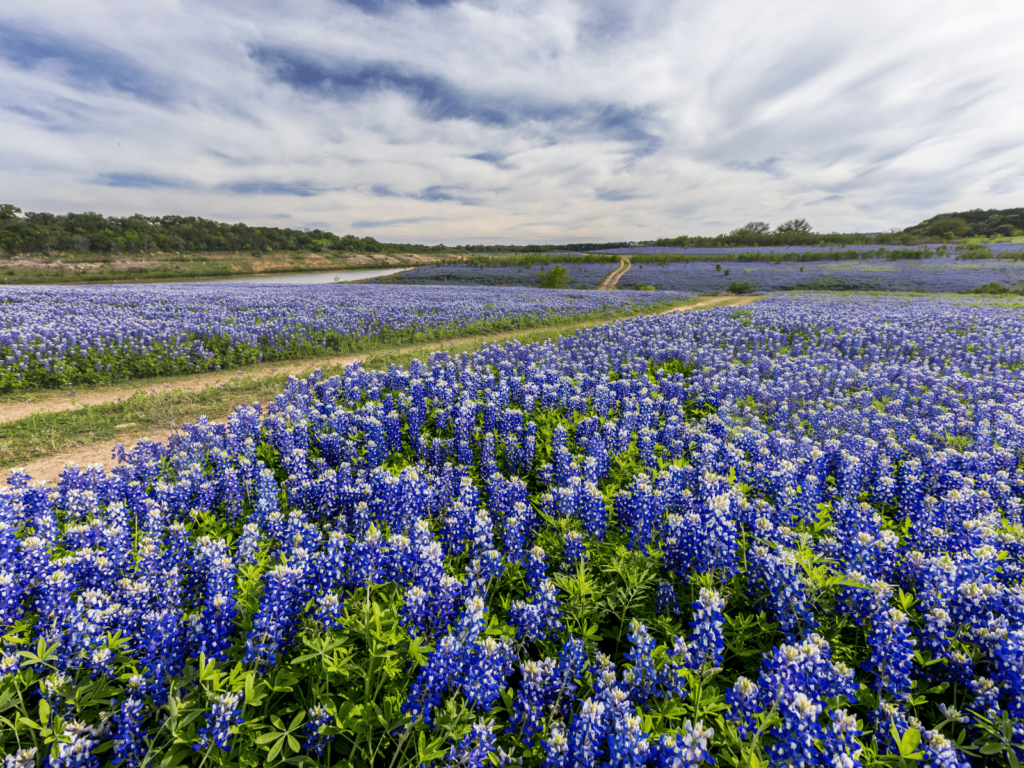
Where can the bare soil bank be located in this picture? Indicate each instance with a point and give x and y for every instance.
(70, 268)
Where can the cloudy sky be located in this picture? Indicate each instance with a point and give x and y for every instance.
(514, 120)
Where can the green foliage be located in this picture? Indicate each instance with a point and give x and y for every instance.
(956, 226)
(794, 226)
(976, 222)
(740, 287)
(556, 277)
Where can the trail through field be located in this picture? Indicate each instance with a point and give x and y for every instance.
(49, 467)
(612, 280)
(714, 301)
(53, 401)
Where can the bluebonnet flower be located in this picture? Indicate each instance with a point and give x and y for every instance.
(533, 698)
(535, 567)
(75, 749)
(892, 653)
(316, 742)
(23, 758)
(556, 748)
(686, 749)
(707, 640)
(574, 551)
(541, 617)
(488, 664)
(129, 726)
(642, 678)
(778, 580)
(665, 598)
(224, 713)
(474, 749)
(276, 619)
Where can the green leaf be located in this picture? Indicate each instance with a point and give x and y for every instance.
(909, 741)
(992, 749)
(176, 756)
(44, 711)
(266, 738)
(275, 750)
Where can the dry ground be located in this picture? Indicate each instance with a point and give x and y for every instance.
(48, 468)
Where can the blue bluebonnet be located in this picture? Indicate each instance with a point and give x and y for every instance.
(707, 638)
(75, 749)
(665, 598)
(892, 653)
(534, 696)
(130, 726)
(316, 742)
(686, 749)
(276, 620)
(224, 713)
(474, 749)
(574, 551)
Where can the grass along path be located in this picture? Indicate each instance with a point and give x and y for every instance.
(18, 405)
(44, 441)
(612, 280)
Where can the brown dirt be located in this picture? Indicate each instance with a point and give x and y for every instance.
(715, 301)
(51, 402)
(49, 468)
(612, 280)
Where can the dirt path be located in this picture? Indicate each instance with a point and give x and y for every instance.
(715, 301)
(48, 468)
(612, 280)
(52, 401)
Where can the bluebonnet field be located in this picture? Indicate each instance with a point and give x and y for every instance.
(936, 274)
(581, 274)
(783, 535)
(54, 336)
(997, 248)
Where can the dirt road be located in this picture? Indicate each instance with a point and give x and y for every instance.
(49, 467)
(612, 280)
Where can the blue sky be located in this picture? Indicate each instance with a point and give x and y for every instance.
(463, 121)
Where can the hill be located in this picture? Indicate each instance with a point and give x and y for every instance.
(1007, 222)
(137, 234)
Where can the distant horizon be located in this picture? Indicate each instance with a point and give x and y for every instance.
(485, 241)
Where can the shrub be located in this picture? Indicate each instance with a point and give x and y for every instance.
(556, 277)
(740, 287)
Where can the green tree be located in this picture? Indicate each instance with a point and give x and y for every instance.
(797, 226)
(8, 211)
(946, 224)
(556, 277)
(753, 228)
(740, 287)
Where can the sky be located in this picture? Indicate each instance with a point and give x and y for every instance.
(514, 121)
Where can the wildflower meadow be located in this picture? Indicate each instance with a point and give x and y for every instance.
(788, 534)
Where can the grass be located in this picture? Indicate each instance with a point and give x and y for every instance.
(45, 434)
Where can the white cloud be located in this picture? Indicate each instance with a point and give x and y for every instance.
(514, 121)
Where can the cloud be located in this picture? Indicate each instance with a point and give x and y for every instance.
(138, 181)
(384, 223)
(520, 121)
(270, 188)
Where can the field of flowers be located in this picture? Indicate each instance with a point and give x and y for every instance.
(56, 336)
(996, 248)
(787, 535)
(581, 274)
(937, 274)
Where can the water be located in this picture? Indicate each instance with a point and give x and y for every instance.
(305, 278)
